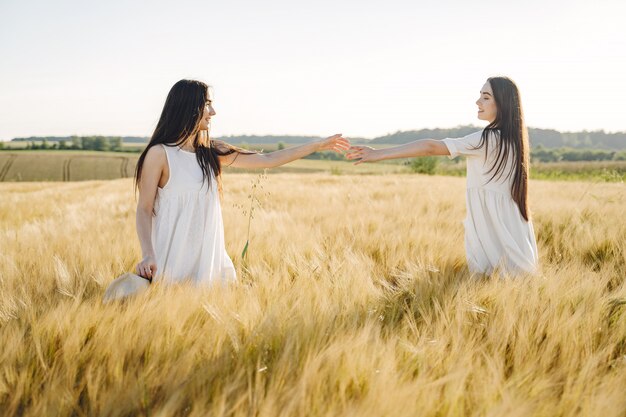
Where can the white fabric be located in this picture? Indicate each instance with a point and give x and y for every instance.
(496, 234)
(187, 231)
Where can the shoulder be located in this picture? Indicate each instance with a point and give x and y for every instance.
(468, 145)
(475, 136)
(156, 152)
(490, 134)
(480, 137)
(156, 155)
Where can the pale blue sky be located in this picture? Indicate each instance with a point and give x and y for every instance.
(361, 68)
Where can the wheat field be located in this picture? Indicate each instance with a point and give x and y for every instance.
(354, 300)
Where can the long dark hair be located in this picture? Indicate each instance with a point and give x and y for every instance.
(179, 120)
(511, 136)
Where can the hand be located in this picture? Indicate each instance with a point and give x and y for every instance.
(363, 154)
(335, 143)
(147, 267)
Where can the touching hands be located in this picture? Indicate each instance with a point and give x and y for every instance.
(335, 143)
(363, 154)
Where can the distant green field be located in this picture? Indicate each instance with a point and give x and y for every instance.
(603, 171)
(65, 165)
(76, 165)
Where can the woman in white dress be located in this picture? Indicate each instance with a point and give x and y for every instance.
(179, 219)
(498, 229)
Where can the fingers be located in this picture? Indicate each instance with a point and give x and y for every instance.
(359, 156)
(338, 148)
(341, 146)
(355, 155)
(340, 140)
(146, 271)
(343, 143)
(336, 143)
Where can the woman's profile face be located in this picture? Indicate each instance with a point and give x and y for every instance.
(487, 109)
(208, 112)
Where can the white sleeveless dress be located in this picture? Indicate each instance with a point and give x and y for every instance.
(496, 234)
(187, 230)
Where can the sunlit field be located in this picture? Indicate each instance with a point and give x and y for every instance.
(354, 299)
(80, 165)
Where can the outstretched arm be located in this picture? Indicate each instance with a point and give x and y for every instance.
(335, 143)
(422, 147)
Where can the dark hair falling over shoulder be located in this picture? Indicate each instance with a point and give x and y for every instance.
(180, 119)
(511, 136)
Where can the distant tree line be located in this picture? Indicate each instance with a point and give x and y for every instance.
(244, 139)
(93, 143)
(125, 139)
(546, 145)
(547, 138)
(537, 154)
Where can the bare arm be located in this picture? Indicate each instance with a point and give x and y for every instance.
(422, 147)
(150, 175)
(273, 159)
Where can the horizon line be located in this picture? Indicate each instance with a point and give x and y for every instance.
(320, 136)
